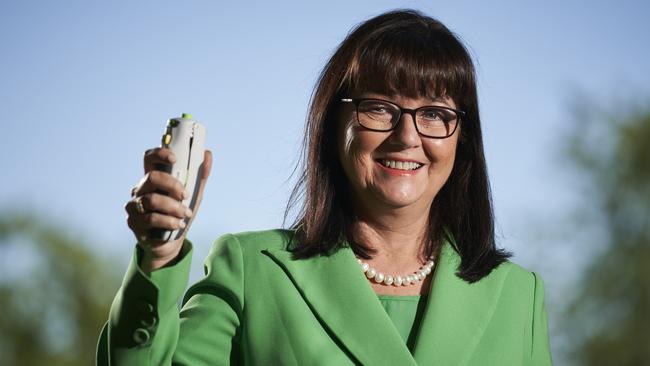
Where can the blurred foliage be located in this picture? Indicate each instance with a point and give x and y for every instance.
(608, 317)
(54, 294)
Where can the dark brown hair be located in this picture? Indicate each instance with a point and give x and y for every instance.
(397, 53)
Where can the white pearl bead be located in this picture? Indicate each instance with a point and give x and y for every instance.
(411, 278)
(388, 280)
(398, 280)
(379, 277)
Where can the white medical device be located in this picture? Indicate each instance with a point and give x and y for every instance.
(186, 138)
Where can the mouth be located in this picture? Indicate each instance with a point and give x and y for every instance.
(400, 165)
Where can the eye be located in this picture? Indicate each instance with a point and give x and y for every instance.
(432, 114)
(375, 108)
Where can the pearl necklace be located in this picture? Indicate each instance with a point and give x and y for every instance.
(388, 280)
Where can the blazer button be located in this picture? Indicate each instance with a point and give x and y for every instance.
(141, 336)
(149, 321)
(144, 306)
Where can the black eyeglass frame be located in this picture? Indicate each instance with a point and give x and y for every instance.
(459, 115)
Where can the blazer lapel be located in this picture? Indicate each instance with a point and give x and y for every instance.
(339, 295)
(456, 313)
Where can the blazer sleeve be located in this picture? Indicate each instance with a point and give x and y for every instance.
(145, 326)
(540, 351)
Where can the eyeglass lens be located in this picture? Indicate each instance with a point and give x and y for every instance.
(383, 116)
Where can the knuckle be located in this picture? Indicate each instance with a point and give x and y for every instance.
(151, 151)
(130, 221)
(163, 153)
(148, 200)
(129, 208)
(152, 175)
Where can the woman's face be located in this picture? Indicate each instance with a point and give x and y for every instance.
(367, 157)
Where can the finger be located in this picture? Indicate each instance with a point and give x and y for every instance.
(155, 220)
(166, 205)
(206, 167)
(141, 232)
(207, 164)
(158, 158)
(156, 181)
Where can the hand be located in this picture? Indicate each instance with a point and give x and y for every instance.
(160, 210)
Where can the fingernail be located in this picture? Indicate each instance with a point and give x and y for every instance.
(181, 224)
(188, 212)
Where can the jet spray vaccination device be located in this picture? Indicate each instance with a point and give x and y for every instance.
(185, 137)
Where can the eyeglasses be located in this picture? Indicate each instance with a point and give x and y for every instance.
(430, 121)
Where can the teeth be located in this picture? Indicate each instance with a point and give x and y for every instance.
(401, 165)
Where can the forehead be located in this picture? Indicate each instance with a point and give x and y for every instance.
(413, 64)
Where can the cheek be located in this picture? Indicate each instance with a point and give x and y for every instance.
(442, 154)
(356, 147)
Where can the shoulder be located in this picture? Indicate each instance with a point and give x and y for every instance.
(519, 277)
(237, 255)
(251, 241)
(507, 274)
(250, 244)
(519, 287)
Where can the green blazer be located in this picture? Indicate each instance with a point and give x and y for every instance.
(259, 306)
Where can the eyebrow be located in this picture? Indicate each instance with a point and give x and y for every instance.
(391, 98)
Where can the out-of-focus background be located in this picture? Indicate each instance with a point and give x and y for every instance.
(564, 92)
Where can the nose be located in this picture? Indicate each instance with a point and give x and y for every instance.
(405, 133)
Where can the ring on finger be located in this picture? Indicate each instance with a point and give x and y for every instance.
(142, 238)
(139, 206)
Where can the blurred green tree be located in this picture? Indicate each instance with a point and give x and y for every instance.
(608, 317)
(54, 294)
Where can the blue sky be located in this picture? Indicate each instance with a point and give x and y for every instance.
(88, 86)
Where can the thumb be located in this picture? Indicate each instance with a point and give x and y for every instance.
(204, 170)
(207, 165)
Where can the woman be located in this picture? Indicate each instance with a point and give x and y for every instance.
(392, 260)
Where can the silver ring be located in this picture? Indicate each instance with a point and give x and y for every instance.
(139, 206)
(142, 238)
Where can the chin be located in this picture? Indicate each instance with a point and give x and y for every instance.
(401, 198)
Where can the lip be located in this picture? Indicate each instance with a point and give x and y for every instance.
(398, 172)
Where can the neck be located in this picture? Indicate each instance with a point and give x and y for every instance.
(398, 237)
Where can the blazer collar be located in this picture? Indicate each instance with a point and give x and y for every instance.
(456, 314)
(340, 296)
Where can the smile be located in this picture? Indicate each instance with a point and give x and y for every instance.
(400, 165)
